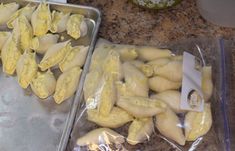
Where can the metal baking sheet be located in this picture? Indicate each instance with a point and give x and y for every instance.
(28, 123)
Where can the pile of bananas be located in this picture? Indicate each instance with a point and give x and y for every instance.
(140, 87)
(35, 32)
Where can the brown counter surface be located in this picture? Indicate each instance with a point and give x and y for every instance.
(123, 22)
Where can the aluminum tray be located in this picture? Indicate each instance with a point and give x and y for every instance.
(30, 124)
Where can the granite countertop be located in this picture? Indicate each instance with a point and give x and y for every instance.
(126, 23)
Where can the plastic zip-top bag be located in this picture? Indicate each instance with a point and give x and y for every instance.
(147, 98)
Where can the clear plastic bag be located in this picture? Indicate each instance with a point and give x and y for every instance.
(146, 124)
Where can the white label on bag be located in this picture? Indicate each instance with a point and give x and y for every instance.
(191, 93)
(59, 1)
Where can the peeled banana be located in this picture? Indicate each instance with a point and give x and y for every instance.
(116, 118)
(54, 55)
(141, 106)
(10, 55)
(67, 84)
(151, 53)
(101, 136)
(59, 21)
(198, 124)
(207, 85)
(76, 57)
(140, 130)
(135, 80)
(26, 69)
(43, 85)
(169, 125)
(172, 98)
(41, 19)
(112, 65)
(42, 43)
(6, 11)
(172, 71)
(106, 95)
(76, 26)
(160, 84)
(26, 11)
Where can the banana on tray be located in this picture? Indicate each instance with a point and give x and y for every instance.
(41, 44)
(43, 85)
(198, 124)
(116, 118)
(169, 125)
(26, 68)
(67, 84)
(140, 106)
(26, 11)
(54, 55)
(6, 11)
(76, 26)
(135, 80)
(41, 19)
(140, 130)
(10, 55)
(59, 21)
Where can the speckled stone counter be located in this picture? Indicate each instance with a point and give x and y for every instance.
(126, 23)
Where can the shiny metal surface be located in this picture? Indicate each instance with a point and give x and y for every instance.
(30, 124)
